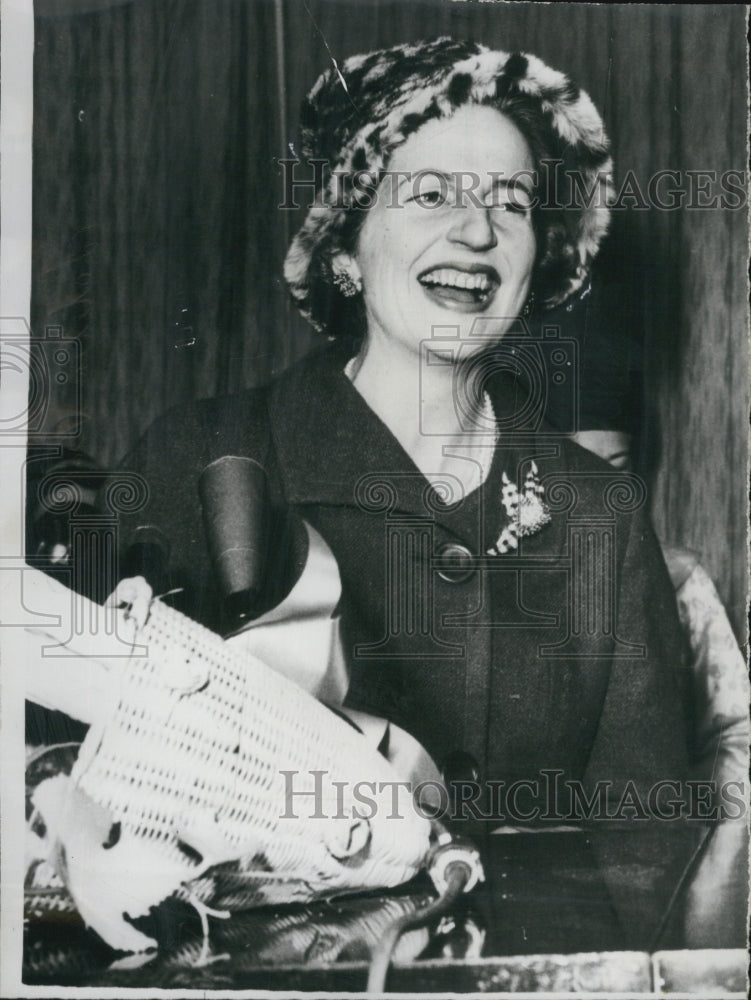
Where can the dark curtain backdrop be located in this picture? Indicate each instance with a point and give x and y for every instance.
(158, 241)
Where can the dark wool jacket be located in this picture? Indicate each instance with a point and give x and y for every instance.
(566, 655)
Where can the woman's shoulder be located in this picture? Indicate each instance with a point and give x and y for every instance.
(211, 411)
(233, 422)
(597, 487)
(563, 458)
(202, 429)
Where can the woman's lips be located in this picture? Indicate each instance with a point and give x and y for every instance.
(465, 289)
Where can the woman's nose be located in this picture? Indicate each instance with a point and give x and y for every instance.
(471, 225)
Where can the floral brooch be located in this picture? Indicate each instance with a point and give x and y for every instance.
(527, 513)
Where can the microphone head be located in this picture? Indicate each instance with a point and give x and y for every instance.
(235, 502)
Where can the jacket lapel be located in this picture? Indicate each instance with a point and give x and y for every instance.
(333, 450)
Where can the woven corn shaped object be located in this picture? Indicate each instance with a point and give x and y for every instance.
(202, 756)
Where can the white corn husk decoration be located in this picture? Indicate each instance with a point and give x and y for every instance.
(183, 769)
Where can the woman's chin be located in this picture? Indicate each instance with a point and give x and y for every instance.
(444, 331)
(458, 345)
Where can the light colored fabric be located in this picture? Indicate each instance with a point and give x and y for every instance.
(680, 563)
(196, 749)
(300, 637)
(720, 681)
(717, 896)
(408, 758)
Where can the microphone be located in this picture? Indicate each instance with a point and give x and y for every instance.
(235, 501)
(148, 556)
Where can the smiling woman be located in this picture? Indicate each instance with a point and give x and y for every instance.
(503, 599)
(427, 256)
(438, 247)
(473, 655)
(408, 98)
(391, 523)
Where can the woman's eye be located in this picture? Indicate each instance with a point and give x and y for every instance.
(515, 208)
(511, 200)
(431, 198)
(512, 206)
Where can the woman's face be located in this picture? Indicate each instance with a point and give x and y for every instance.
(449, 240)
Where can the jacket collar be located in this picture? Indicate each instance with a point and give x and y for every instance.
(334, 450)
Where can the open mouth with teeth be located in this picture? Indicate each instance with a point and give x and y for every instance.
(466, 289)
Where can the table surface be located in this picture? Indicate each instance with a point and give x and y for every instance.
(571, 912)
